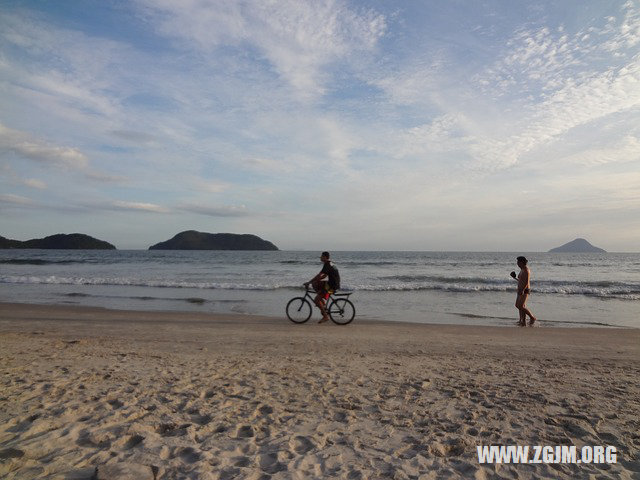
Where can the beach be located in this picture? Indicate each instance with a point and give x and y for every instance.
(93, 393)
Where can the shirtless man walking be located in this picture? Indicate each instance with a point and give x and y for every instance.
(524, 289)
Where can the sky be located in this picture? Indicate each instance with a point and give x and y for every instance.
(323, 124)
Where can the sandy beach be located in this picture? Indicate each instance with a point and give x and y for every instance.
(89, 393)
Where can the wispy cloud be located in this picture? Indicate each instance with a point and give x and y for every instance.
(137, 206)
(26, 146)
(624, 151)
(135, 137)
(34, 183)
(298, 38)
(16, 200)
(216, 211)
(560, 80)
(222, 211)
(409, 117)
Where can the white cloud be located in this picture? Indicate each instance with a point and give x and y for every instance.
(298, 37)
(73, 68)
(27, 146)
(577, 104)
(16, 200)
(105, 177)
(135, 137)
(34, 183)
(627, 31)
(418, 83)
(408, 136)
(624, 151)
(541, 61)
(549, 82)
(138, 206)
(211, 186)
(216, 211)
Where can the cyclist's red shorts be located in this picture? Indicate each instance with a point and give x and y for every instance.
(327, 291)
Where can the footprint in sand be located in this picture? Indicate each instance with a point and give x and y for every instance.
(201, 419)
(24, 425)
(172, 430)
(300, 444)
(189, 455)
(241, 461)
(244, 431)
(452, 448)
(89, 439)
(205, 394)
(115, 404)
(611, 439)
(268, 463)
(133, 441)
(341, 417)
(11, 453)
(263, 411)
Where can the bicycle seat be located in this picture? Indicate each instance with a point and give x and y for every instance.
(342, 294)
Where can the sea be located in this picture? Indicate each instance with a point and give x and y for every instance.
(472, 288)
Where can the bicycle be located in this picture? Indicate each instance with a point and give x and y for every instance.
(341, 310)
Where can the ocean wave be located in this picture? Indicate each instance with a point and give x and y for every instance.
(353, 263)
(135, 282)
(629, 293)
(601, 289)
(39, 261)
(446, 279)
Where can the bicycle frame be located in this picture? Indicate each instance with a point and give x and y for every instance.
(338, 306)
(332, 295)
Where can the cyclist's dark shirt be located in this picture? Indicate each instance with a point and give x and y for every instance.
(332, 272)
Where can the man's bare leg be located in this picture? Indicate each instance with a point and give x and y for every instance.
(532, 319)
(520, 306)
(524, 311)
(319, 287)
(319, 301)
(323, 310)
(523, 319)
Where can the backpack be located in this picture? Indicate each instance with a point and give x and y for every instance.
(334, 278)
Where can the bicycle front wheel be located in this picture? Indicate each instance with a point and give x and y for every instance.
(299, 310)
(342, 311)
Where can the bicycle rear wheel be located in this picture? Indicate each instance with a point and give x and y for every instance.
(299, 310)
(342, 311)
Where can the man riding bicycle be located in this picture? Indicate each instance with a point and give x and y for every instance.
(322, 287)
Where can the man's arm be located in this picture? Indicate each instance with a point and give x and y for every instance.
(319, 276)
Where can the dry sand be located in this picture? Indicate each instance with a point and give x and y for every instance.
(92, 393)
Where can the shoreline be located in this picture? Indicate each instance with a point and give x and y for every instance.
(90, 393)
(216, 316)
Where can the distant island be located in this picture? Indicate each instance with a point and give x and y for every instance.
(60, 241)
(192, 240)
(579, 245)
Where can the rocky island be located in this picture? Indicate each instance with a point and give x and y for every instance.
(192, 240)
(60, 241)
(579, 245)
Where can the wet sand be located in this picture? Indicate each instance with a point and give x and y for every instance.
(89, 393)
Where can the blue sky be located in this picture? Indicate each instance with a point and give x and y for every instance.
(338, 125)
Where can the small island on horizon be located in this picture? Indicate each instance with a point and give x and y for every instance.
(193, 240)
(579, 245)
(60, 241)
